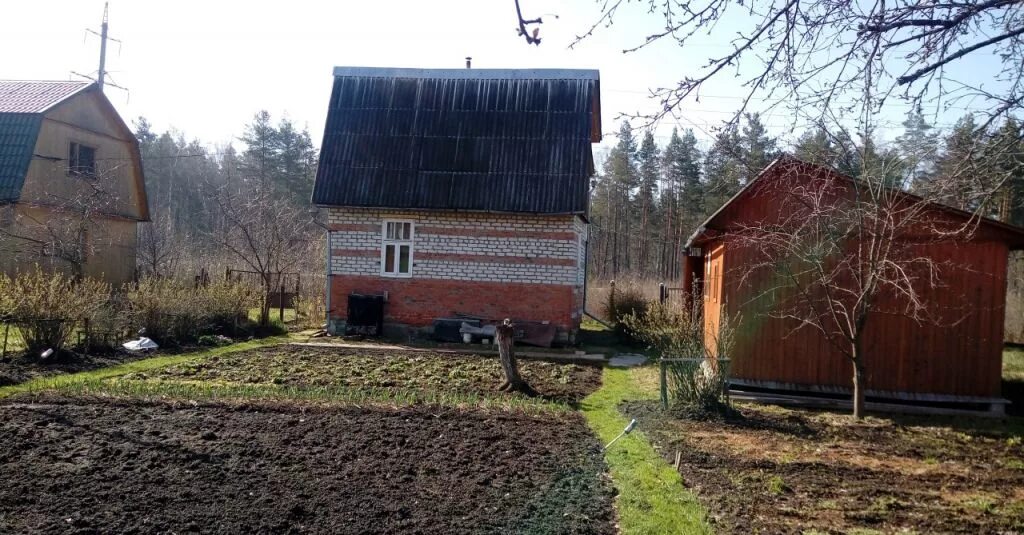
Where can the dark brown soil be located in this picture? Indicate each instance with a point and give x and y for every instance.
(295, 365)
(18, 369)
(774, 470)
(131, 467)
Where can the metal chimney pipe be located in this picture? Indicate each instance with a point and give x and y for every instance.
(469, 62)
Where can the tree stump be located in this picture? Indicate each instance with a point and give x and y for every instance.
(506, 352)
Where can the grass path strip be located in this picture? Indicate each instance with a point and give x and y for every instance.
(59, 381)
(651, 497)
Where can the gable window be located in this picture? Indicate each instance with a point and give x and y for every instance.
(81, 160)
(396, 249)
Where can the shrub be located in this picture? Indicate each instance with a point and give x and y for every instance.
(622, 301)
(175, 312)
(48, 307)
(694, 380)
(311, 310)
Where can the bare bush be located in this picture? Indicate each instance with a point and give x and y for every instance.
(695, 361)
(48, 307)
(176, 312)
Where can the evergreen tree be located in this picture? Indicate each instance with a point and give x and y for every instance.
(917, 146)
(960, 163)
(260, 160)
(723, 170)
(756, 148)
(1006, 165)
(297, 159)
(647, 188)
(620, 169)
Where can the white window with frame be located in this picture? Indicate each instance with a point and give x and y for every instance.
(396, 249)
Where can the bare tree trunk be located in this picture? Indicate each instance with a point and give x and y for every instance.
(513, 381)
(858, 385)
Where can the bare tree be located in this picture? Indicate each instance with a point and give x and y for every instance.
(819, 54)
(63, 228)
(261, 229)
(159, 249)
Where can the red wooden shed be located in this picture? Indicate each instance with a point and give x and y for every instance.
(954, 358)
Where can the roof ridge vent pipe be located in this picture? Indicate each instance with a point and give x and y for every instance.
(469, 62)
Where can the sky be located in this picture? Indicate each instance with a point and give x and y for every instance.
(205, 67)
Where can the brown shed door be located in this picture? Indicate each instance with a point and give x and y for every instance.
(713, 264)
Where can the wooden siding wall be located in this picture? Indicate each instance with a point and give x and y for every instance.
(82, 120)
(958, 353)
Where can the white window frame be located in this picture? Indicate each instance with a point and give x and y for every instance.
(385, 242)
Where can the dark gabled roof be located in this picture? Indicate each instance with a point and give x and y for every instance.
(1013, 235)
(466, 139)
(18, 133)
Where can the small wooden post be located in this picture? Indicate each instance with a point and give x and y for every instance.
(662, 293)
(611, 301)
(280, 302)
(88, 341)
(7, 329)
(664, 383)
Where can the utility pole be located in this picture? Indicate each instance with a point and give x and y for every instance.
(103, 48)
(101, 74)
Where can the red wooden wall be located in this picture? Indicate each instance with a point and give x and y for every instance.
(956, 351)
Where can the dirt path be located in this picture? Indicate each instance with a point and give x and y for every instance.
(101, 467)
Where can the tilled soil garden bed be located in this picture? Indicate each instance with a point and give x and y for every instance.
(294, 365)
(774, 470)
(18, 369)
(102, 467)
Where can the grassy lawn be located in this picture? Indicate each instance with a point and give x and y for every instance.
(1013, 364)
(651, 496)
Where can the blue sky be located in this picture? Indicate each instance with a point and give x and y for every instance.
(205, 67)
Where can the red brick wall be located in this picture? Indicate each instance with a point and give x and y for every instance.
(417, 302)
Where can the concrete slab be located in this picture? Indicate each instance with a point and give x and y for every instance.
(627, 360)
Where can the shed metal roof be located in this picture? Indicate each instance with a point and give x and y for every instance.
(469, 139)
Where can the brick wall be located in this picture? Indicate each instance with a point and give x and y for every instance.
(529, 267)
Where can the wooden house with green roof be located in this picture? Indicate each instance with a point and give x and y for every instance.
(71, 185)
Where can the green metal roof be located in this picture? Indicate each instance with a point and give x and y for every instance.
(18, 133)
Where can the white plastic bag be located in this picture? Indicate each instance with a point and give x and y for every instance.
(142, 344)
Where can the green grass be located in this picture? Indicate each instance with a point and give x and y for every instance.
(119, 387)
(275, 315)
(1013, 363)
(651, 497)
(15, 344)
(63, 381)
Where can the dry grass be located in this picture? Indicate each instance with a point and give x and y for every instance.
(597, 292)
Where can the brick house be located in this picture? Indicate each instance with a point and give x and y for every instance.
(459, 192)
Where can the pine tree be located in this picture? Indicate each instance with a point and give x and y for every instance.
(918, 147)
(757, 148)
(620, 171)
(1006, 166)
(723, 170)
(647, 188)
(960, 163)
